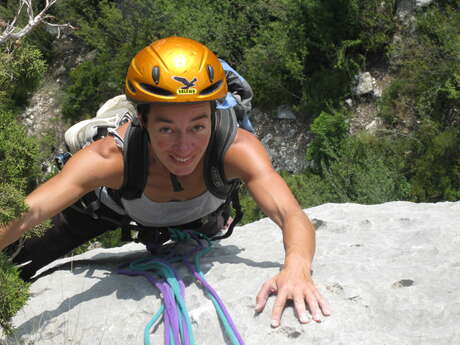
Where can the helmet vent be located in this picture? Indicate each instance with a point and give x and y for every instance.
(210, 73)
(156, 74)
(212, 88)
(155, 90)
(131, 87)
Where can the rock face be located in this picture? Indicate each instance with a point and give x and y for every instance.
(285, 140)
(390, 272)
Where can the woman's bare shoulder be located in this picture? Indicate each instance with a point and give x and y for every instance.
(246, 156)
(98, 164)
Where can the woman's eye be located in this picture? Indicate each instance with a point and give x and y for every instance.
(198, 128)
(165, 130)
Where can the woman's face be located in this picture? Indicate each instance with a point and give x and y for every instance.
(179, 134)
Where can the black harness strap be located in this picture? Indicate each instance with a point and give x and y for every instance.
(235, 201)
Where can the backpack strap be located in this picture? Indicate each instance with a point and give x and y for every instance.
(136, 159)
(225, 127)
(135, 156)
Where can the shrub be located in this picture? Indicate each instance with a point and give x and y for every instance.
(291, 52)
(13, 293)
(311, 46)
(21, 69)
(425, 99)
(365, 169)
(220, 25)
(329, 130)
(428, 76)
(19, 154)
(369, 170)
(436, 171)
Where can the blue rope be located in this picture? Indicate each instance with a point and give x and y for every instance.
(178, 325)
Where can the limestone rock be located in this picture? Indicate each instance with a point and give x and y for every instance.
(423, 3)
(374, 125)
(407, 8)
(285, 112)
(390, 272)
(365, 84)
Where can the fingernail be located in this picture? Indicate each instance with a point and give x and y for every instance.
(275, 323)
(304, 318)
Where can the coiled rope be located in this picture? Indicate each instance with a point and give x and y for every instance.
(160, 273)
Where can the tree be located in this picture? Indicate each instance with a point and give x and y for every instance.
(11, 30)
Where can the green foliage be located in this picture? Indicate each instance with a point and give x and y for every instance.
(290, 51)
(309, 189)
(329, 130)
(21, 69)
(369, 170)
(13, 293)
(118, 30)
(428, 79)
(19, 157)
(116, 33)
(311, 45)
(11, 203)
(425, 99)
(251, 211)
(109, 239)
(366, 169)
(19, 154)
(436, 172)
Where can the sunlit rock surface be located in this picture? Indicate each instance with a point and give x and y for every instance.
(390, 272)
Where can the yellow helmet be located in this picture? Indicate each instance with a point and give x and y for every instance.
(175, 69)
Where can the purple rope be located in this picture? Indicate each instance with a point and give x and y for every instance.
(173, 309)
(184, 323)
(216, 296)
(171, 319)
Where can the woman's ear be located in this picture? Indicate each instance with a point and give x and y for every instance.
(142, 112)
(143, 120)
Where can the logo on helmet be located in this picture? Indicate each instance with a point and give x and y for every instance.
(188, 88)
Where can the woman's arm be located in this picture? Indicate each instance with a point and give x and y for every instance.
(99, 164)
(247, 159)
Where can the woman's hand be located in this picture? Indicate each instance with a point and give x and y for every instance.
(293, 283)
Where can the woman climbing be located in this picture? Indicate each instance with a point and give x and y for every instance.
(173, 164)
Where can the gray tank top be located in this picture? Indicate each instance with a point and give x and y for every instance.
(161, 214)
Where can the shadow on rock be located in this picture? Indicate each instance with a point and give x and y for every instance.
(111, 281)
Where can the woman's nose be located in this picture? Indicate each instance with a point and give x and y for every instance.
(183, 143)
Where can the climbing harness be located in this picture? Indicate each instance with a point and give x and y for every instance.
(160, 273)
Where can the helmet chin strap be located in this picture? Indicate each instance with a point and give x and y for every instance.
(177, 187)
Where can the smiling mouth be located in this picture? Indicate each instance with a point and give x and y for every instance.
(180, 159)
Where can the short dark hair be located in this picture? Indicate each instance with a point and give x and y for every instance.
(143, 110)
